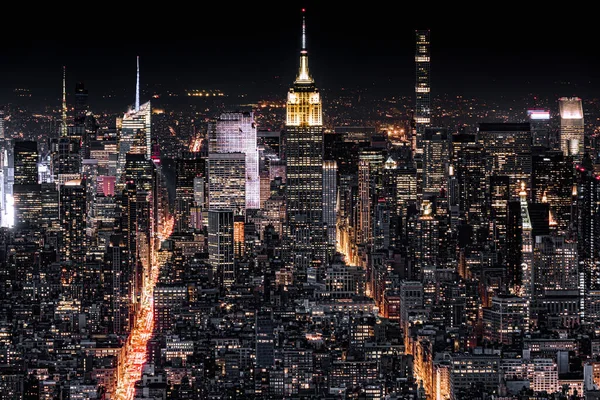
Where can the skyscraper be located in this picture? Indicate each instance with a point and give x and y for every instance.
(226, 182)
(330, 200)
(507, 148)
(422, 86)
(26, 159)
(73, 221)
(220, 246)
(235, 132)
(304, 168)
(436, 154)
(527, 278)
(572, 140)
(136, 129)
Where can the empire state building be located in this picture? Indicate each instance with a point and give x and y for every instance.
(306, 240)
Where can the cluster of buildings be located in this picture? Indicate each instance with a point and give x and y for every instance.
(424, 264)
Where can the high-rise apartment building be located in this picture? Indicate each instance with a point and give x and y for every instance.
(572, 138)
(422, 87)
(235, 132)
(304, 168)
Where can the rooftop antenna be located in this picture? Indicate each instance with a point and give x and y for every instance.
(137, 86)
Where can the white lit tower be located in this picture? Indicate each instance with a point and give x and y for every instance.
(235, 132)
(304, 168)
(422, 87)
(571, 127)
(136, 129)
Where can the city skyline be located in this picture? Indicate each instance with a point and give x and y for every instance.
(249, 50)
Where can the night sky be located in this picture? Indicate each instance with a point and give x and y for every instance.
(513, 51)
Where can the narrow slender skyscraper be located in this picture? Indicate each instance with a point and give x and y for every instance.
(422, 87)
(304, 159)
(137, 86)
(64, 132)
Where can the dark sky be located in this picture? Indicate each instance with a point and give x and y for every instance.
(511, 50)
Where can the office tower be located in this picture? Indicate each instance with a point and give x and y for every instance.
(330, 201)
(469, 167)
(371, 163)
(118, 288)
(572, 136)
(26, 162)
(426, 241)
(227, 182)
(143, 214)
(27, 204)
(89, 172)
(555, 264)
(304, 168)
(235, 132)
(498, 198)
(220, 246)
(190, 173)
(135, 130)
(552, 182)
(587, 195)
(66, 159)
(49, 217)
(526, 288)
(539, 119)
(436, 155)
(73, 221)
(422, 87)
(363, 223)
(503, 322)
(507, 148)
(81, 103)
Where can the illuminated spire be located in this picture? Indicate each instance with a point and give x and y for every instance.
(137, 86)
(524, 208)
(303, 74)
(64, 104)
(303, 30)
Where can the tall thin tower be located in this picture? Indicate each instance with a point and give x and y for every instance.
(306, 237)
(64, 132)
(137, 86)
(527, 276)
(422, 87)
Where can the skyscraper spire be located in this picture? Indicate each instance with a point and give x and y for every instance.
(303, 30)
(303, 74)
(64, 104)
(137, 86)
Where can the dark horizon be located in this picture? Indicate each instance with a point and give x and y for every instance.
(254, 51)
